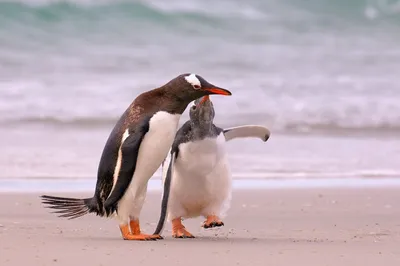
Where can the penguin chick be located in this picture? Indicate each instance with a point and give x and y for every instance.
(196, 174)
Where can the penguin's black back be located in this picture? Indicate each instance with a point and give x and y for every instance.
(107, 164)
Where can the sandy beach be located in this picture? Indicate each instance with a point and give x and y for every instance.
(263, 227)
(324, 190)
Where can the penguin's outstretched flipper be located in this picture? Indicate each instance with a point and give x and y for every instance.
(129, 156)
(248, 131)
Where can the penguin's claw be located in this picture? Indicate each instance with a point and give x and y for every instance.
(212, 221)
(182, 233)
(157, 237)
(213, 224)
(154, 237)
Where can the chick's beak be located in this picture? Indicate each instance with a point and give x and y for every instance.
(204, 99)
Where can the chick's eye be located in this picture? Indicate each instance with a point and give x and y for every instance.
(196, 86)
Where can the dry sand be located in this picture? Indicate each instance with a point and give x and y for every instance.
(265, 227)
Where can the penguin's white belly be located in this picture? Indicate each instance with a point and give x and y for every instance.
(201, 181)
(200, 157)
(153, 150)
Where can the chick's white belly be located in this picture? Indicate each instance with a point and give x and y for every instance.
(196, 193)
(201, 181)
(200, 157)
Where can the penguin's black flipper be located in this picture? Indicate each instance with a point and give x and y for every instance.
(130, 152)
(182, 136)
(165, 195)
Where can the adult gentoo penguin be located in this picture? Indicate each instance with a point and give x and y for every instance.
(196, 174)
(136, 147)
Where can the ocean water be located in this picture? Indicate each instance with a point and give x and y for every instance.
(322, 75)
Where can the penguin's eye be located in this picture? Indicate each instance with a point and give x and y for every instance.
(196, 86)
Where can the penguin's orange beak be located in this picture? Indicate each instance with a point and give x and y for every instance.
(216, 90)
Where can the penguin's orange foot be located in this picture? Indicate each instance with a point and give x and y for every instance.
(212, 221)
(178, 230)
(181, 233)
(156, 237)
(127, 235)
(135, 229)
(153, 237)
(137, 237)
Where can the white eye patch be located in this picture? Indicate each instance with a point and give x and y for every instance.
(193, 80)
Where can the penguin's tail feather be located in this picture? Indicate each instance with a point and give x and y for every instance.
(70, 208)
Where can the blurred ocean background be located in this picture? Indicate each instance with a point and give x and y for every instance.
(323, 75)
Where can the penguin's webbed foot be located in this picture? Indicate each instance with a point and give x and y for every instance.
(157, 237)
(182, 233)
(153, 237)
(212, 221)
(135, 229)
(138, 237)
(179, 230)
(127, 235)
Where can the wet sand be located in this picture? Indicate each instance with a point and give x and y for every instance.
(264, 227)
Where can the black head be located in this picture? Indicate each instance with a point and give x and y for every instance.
(189, 87)
(202, 112)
